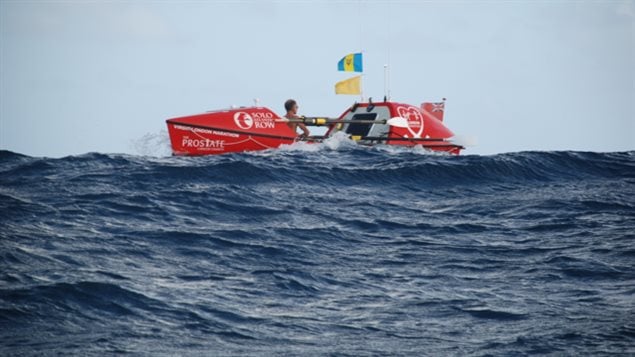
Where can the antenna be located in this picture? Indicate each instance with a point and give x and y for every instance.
(386, 82)
(388, 46)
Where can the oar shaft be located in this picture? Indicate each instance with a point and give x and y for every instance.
(383, 138)
(327, 121)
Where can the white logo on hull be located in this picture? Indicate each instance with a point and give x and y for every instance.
(415, 120)
(258, 120)
(243, 120)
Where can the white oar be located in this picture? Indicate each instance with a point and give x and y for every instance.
(399, 122)
(462, 140)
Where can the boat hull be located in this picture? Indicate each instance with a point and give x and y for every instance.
(259, 128)
(201, 140)
(220, 132)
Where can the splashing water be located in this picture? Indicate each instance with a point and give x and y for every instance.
(153, 144)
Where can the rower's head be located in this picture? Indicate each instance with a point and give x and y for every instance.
(291, 106)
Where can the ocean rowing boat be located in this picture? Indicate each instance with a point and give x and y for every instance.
(259, 128)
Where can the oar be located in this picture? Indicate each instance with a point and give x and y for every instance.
(396, 121)
(453, 141)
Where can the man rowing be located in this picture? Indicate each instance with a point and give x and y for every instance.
(291, 107)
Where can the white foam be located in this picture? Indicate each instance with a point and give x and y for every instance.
(417, 149)
(338, 141)
(301, 146)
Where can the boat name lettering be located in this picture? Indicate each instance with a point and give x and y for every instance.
(224, 133)
(263, 116)
(203, 143)
(264, 120)
(207, 131)
(258, 120)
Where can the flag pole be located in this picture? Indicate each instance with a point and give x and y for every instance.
(361, 87)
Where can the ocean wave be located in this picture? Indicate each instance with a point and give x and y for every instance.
(348, 166)
(317, 249)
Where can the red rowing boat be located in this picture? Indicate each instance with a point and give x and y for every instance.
(259, 128)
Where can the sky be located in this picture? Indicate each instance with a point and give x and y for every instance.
(97, 76)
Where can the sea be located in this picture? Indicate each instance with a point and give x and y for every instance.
(318, 250)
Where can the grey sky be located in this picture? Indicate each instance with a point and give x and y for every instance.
(519, 75)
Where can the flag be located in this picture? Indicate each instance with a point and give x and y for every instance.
(434, 110)
(349, 86)
(351, 63)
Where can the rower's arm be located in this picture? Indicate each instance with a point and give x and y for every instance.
(305, 130)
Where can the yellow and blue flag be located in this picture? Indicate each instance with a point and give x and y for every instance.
(352, 62)
(349, 86)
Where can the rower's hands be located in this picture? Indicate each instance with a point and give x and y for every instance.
(305, 131)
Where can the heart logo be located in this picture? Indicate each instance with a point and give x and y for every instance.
(414, 118)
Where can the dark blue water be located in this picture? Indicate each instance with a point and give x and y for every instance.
(347, 252)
